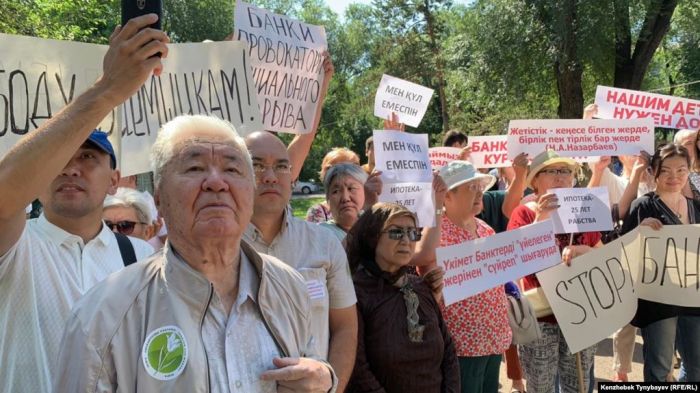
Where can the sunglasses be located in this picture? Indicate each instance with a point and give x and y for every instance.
(123, 227)
(414, 234)
(554, 172)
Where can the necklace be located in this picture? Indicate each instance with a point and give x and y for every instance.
(677, 211)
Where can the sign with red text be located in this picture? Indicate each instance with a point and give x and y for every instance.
(407, 177)
(408, 100)
(582, 210)
(580, 138)
(441, 156)
(594, 297)
(286, 60)
(665, 111)
(475, 266)
(489, 151)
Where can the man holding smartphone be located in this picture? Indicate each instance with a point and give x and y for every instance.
(48, 263)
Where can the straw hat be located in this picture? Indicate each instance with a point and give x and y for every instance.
(457, 173)
(544, 159)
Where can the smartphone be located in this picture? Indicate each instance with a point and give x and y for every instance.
(133, 8)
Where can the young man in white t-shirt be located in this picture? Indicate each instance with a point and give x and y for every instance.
(46, 264)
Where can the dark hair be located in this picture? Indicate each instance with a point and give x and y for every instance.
(454, 136)
(667, 151)
(696, 164)
(361, 240)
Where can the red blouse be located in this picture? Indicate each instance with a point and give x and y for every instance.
(479, 324)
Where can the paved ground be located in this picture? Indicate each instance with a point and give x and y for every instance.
(603, 364)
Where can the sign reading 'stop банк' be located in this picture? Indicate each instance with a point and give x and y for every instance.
(287, 61)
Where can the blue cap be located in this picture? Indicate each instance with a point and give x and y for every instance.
(100, 140)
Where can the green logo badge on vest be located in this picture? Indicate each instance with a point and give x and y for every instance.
(164, 353)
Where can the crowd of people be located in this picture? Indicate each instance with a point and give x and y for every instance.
(212, 285)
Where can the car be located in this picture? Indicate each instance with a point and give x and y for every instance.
(305, 187)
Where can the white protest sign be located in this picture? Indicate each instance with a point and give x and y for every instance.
(417, 197)
(287, 64)
(665, 111)
(577, 138)
(402, 156)
(407, 99)
(473, 267)
(38, 77)
(670, 265)
(407, 177)
(489, 151)
(441, 156)
(582, 210)
(201, 78)
(594, 297)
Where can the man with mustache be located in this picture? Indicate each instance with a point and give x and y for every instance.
(310, 249)
(48, 263)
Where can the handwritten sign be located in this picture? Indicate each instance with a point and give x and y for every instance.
(664, 111)
(42, 76)
(580, 138)
(670, 265)
(38, 78)
(473, 267)
(489, 151)
(441, 156)
(203, 78)
(408, 100)
(287, 66)
(406, 173)
(417, 197)
(582, 210)
(594, 297)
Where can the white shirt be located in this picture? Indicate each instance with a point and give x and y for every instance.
(316, 253)
(239, 346)
(41, 277)
(617, 184)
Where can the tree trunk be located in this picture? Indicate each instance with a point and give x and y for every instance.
(439, 67)
(631, 67)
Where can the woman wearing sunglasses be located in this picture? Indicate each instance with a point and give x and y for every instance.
(548, 356)
(403, 343)
(127, 212)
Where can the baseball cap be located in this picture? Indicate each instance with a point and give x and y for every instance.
(100, 140)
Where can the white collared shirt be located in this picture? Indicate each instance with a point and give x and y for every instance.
(41, 277)
(239, 346)
(318, 255)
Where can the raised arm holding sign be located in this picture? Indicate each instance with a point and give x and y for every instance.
(408, 100)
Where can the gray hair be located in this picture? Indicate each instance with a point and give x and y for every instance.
(164, 148)
(680, 134)
(341, 170)
(128, 197)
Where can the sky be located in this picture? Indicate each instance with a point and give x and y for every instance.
(339, 6)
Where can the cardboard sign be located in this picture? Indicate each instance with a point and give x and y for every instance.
(665, 111)
(204, 78)
(582, 210)
(441, 156)
(406, 172)
(417, 197)
(489, 151)
(669, 270)
(408, 100)
(580, 138)
(38, 77)
(594, 297)
(287, 65)
(473, 267)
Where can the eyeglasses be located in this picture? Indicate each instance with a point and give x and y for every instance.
(123, 227)
(554, 172)
(414, 234)
(281, 168)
